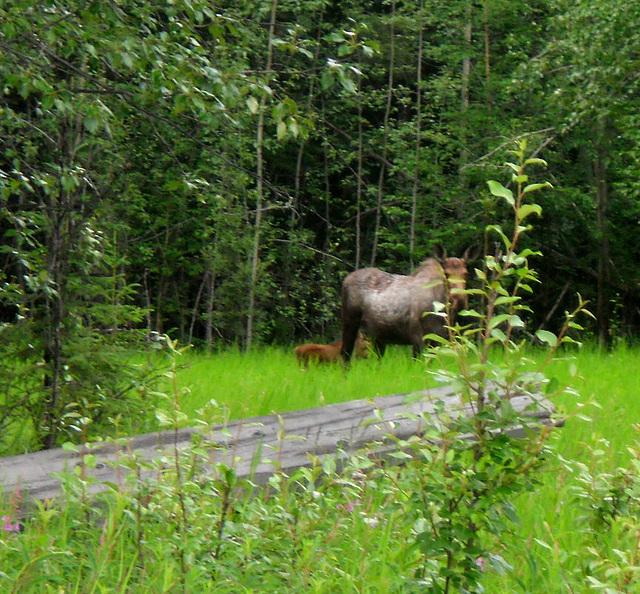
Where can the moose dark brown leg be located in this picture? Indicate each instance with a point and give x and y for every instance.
(379, 348)
(350, 327)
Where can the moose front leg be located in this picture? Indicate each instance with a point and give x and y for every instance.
(350, 328)
(379, 347)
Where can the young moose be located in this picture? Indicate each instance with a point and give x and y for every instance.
(329, 353)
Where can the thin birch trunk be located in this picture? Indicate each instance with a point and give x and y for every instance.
(196, 305)
(303, 144)
(359, 180)
(416, 179)
(464, 89)
(487, 54)
(602, 213)
(211, 289)
(385, 134)
(147, 298)
(255, 256)
(327, 194)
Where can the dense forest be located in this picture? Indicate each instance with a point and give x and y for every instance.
(212, 170)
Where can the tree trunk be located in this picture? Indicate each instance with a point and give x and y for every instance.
(257, 229)
(359, 181)
(211, 288)
(303, 143)
(196, 307)
(385, 135)
(416, 171)
(487, 54)
(464, 89)
(603, 272)
(52, 354)
(327, 194)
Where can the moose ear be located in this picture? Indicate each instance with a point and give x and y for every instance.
(472, 252)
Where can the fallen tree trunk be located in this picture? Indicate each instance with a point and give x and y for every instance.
(259, 446)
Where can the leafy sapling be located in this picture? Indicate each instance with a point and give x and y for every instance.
(463, 500)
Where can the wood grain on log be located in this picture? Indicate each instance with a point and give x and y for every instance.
(257, 447)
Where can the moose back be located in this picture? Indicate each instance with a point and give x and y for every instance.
(399, 309)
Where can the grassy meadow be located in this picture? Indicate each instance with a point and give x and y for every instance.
(603, 421)
(268, 380)
(348, 535)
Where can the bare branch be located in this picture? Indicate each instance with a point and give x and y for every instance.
(511, 141)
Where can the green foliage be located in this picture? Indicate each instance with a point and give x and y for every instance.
(376, 146)
(320, 530)
(135, 126)
(612, 508)
(466, 498)
(431, 524)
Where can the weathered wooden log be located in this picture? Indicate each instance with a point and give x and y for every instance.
(257, 447)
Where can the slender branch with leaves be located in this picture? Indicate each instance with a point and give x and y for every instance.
(475, 468)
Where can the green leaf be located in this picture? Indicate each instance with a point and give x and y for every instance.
(436, 338)
(507, 299)
(163, 417)
(327, 79)
(534, 187)
(547, 337)
(516, 321)
(542, 543)
(253, 105)
(281, 130)
(526, 209)
(346, 82)
(497, 189)
(552, 386)
(497, 320)
(499, 335)
(91, 124)
(499, 231)
(334, 37)
(471, 313)
(293, 127)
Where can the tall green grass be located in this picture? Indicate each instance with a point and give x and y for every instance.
(334, 536)
(553, 539)
(602, 413)
(268, 380)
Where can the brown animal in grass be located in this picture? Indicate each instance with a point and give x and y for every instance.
(329, 353)
(398, 309)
